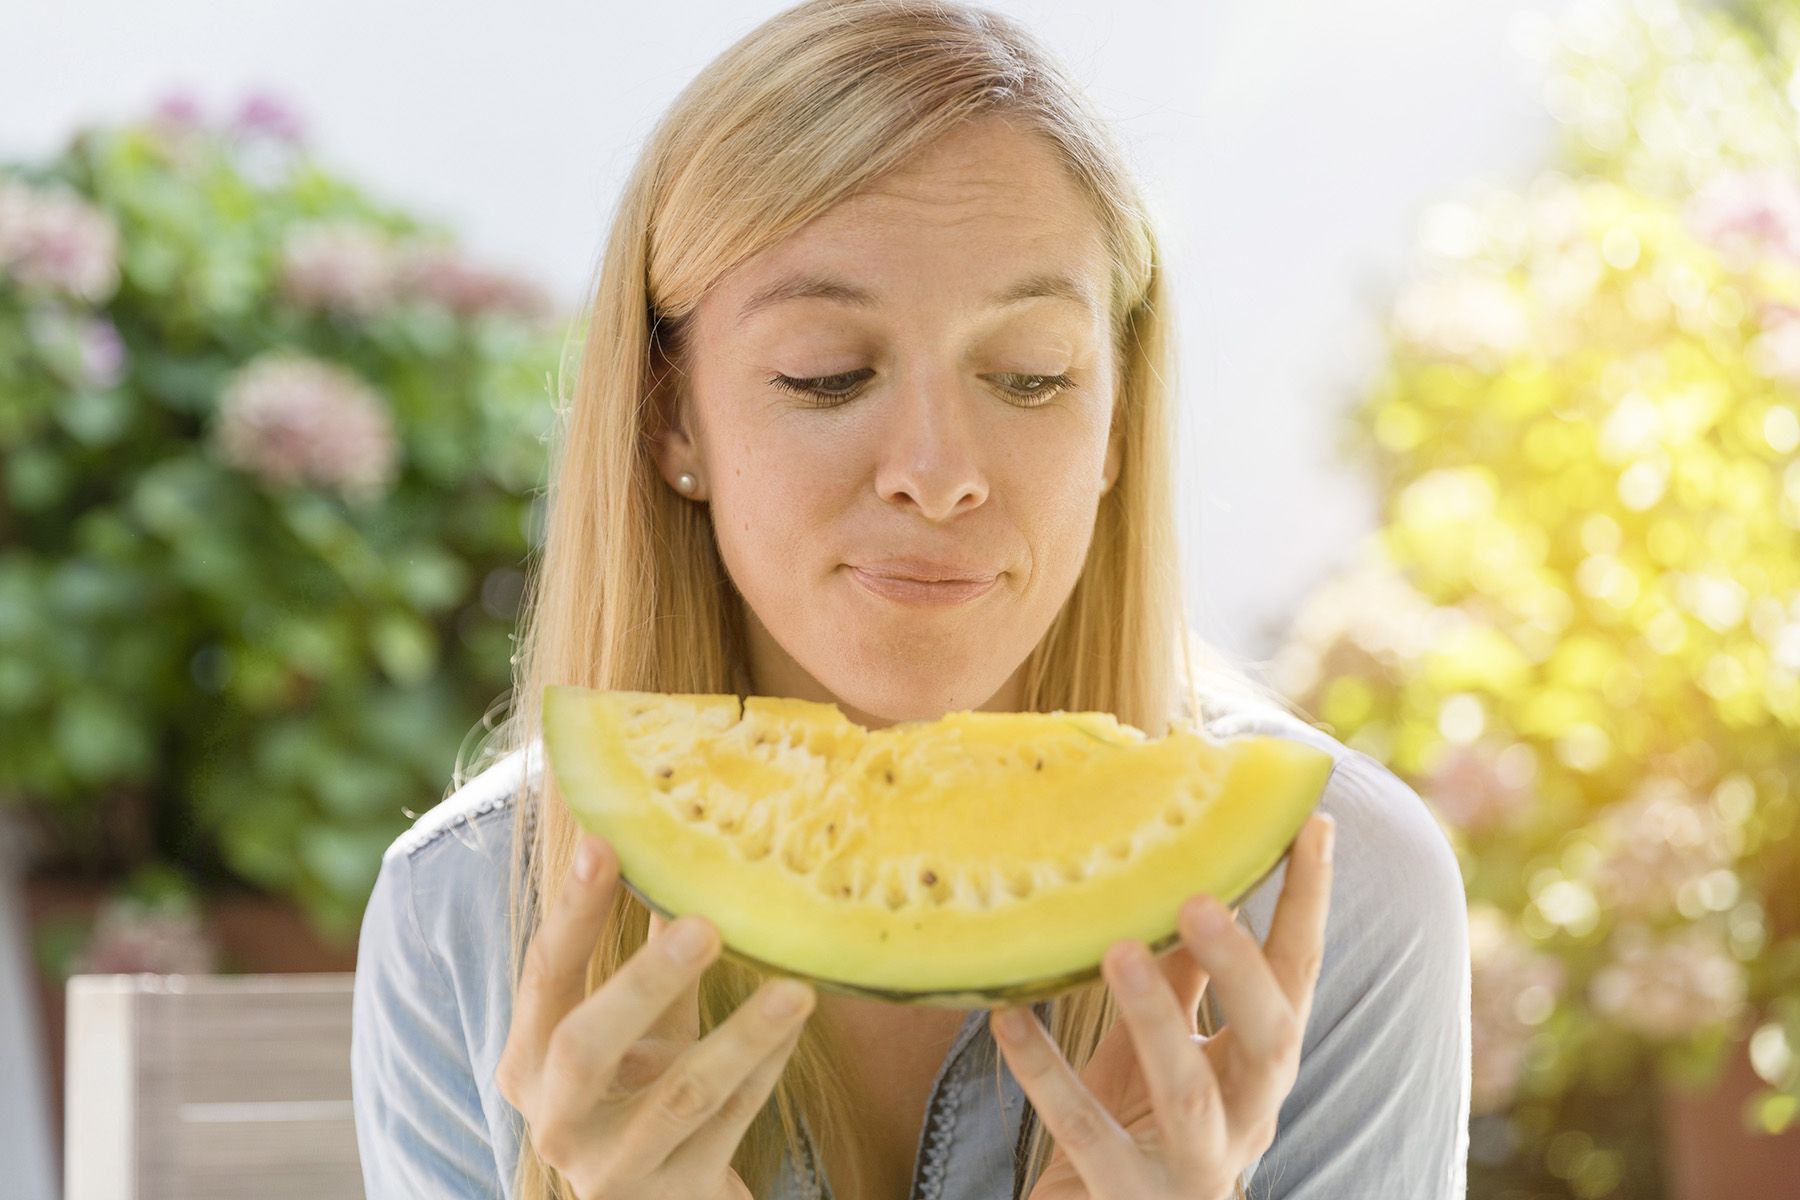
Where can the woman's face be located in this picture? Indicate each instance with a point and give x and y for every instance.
(963, 428)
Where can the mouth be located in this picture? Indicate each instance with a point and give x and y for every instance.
(929, 593)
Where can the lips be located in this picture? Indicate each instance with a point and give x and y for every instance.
(919, 592)
(921, 570)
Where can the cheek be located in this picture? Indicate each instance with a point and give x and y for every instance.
(773, 508)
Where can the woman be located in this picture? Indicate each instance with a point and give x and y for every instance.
(875, 407)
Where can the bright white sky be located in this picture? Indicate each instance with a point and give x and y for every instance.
(1289, 144)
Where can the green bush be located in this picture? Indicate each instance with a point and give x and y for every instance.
(274, 463)
(1577, 630)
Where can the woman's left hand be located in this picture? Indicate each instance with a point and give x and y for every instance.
(1163, 1113)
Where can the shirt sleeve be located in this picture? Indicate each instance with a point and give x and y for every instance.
(420, 1129)
(1380, 1106)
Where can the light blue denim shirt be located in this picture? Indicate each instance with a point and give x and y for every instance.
(1379, 1110)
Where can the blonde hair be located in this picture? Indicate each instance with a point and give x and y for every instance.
(804, 110)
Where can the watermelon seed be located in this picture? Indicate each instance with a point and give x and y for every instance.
(830, 828)
(844, 891)
(664, 772)
(928, 878)
(890, 776)
(1040, 765)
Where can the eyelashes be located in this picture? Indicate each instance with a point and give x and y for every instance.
(823, 392)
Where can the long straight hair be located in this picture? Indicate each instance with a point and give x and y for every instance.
(627, 589)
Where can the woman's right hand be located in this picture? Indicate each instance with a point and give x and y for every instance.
(618, 1092)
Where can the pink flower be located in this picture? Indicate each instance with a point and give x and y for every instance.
(1669, 987)
(434, 270)
(130, 937)
(177, 108)
(262, 113)
(291, 419)
(53, 240)
(337, 265)
(1775, 350)
(1660, 838)
(1513, 988)
(1480, 786)
(1747, 215)
(84, 351)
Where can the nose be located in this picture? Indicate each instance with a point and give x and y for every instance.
(930, 454)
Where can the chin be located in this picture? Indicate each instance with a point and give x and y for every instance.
(897, 697)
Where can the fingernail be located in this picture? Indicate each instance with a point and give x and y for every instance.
(1012, 1023)
(587, 861)
(784, 999)
(685, 942)
(1134, 973)
(1325, 842)
(1208, 915)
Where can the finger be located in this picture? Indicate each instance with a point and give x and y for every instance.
(1188, 980)
(1094, 1142)
(587, 1045)
(553, 976)
(748, 1061)
(1295, 947)
(681, 1020)
(1264, 1020)
(1184, 1094)
(1246, 1051)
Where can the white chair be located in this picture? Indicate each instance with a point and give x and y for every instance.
(209, 1087)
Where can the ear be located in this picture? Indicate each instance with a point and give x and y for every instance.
(672, 443)
(1110, 472)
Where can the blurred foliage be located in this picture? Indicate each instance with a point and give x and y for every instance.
(1577, 632)
(251, 646)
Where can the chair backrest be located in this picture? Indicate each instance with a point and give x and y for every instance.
(203, 1087)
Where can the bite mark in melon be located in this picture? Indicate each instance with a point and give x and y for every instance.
(978, 859)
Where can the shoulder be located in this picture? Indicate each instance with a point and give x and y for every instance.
(481, 804)
(1381, 1102)
(442, 894)
(1391, 852)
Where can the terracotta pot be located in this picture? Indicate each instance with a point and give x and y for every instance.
(254, 932)
(1708, 1154)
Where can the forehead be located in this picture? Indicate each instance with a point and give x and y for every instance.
(985, 218)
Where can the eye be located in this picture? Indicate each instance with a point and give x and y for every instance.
(827, 390)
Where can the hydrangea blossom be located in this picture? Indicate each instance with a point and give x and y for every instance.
(1513, 988)
(53, 240)
(1669, 986)
(130, 937)
(292, 419)
(336, 265)
(1652, 844)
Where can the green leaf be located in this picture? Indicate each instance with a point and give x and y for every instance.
(405, 647)
(258, 834)
(432, 579)
(356, 789)
(98, 739)
(344, 860)
(36, 478)
(95, 418)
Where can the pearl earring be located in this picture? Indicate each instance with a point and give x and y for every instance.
(686, 482)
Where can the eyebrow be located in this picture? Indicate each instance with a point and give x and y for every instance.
(806, 284)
